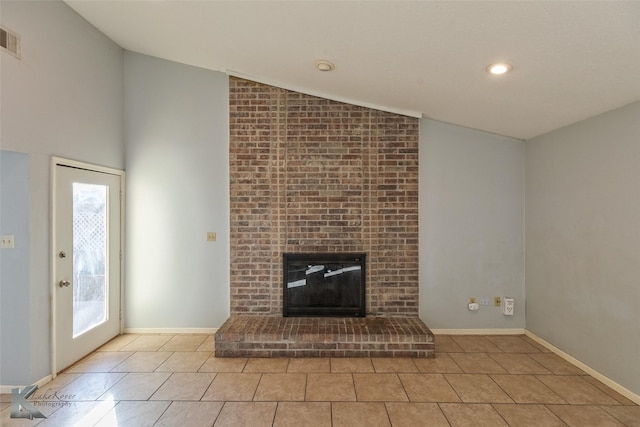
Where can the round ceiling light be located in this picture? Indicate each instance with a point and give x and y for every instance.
(499, 68)
(324, 65)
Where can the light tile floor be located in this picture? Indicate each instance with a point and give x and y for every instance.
(174, 380)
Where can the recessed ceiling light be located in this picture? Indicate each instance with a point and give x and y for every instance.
(499, 68)
(324, 65)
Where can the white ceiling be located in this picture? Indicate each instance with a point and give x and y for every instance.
(572, 60)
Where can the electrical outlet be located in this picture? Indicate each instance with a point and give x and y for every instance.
(8, 241)
(507, 306)
(211, 236)
(485, 301)
(497, 301)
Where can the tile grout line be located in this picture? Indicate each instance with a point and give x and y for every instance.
(104, 368)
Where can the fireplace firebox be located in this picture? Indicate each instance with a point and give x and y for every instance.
(324, 284)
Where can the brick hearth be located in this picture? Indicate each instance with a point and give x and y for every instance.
(271, 336)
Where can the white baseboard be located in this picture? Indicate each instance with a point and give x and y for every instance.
(514, 331)
(595, 374)
(170, 330)
(6, 389)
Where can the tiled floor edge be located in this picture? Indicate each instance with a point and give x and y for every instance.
(589, 370)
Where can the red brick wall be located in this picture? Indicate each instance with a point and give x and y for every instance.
(313, 175)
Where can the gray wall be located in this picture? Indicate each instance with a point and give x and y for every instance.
(177, 190)
(63, 98)
(583, 242)
(14, 267)
(471, 226)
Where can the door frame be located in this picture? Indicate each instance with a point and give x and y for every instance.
(59, 161)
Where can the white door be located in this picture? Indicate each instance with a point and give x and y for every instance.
(87, 257)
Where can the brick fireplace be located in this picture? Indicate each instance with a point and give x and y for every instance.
(310, 175)
(314, 175)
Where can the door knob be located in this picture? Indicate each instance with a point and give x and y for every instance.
(64, 283)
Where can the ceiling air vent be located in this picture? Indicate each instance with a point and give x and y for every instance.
(10, 42)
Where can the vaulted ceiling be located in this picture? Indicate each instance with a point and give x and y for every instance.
(571, 60)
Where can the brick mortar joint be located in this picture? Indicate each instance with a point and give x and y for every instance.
(370, 161)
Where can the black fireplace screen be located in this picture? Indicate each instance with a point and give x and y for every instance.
(322, 284)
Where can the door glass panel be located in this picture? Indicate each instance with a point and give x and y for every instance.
(89, 257)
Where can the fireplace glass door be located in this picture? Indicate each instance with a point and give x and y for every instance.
(324, 285)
